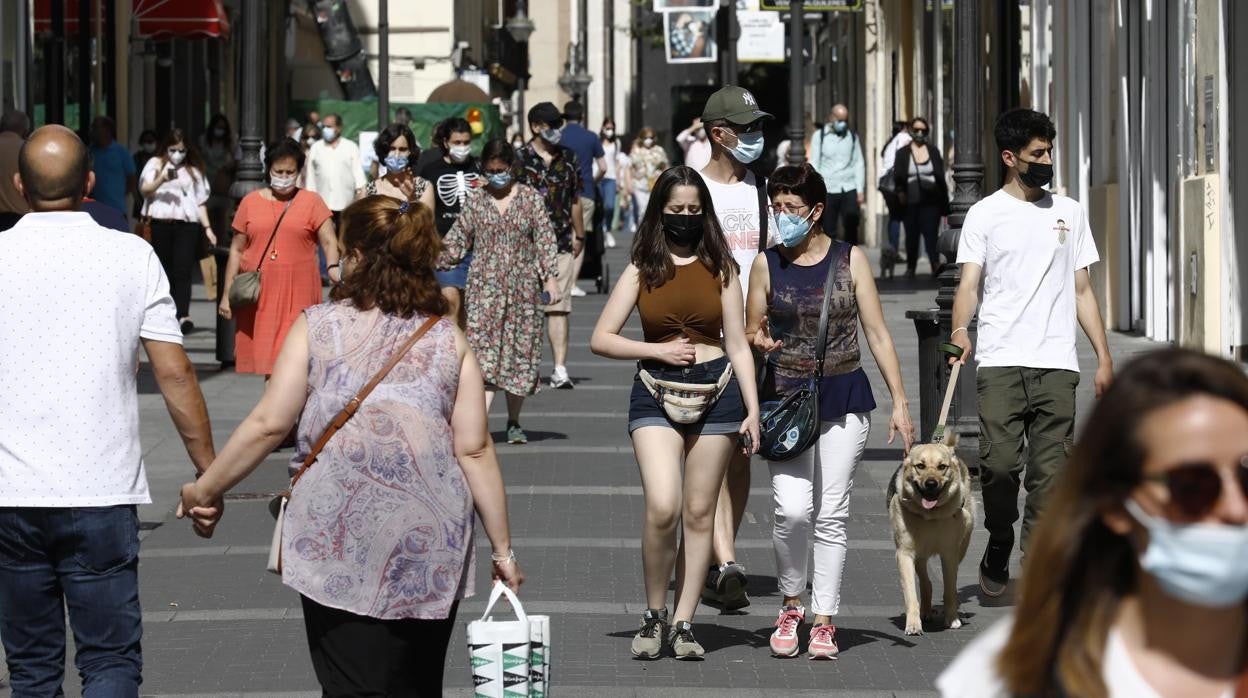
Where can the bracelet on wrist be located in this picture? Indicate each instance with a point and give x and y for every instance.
(960, 329)
(509, 557)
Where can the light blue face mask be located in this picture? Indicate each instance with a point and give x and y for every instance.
(329, 133)
(394, 163)
(1201, 564)
(498, 180)
(749, 147)
(792, 229)
(839, 126)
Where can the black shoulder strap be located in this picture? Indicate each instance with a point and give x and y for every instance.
(822, 343)
(760, 183)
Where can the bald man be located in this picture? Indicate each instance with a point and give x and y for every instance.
(76, 302)
(836, 153)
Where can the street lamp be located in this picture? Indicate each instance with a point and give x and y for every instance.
(520, 27)
(575, 80)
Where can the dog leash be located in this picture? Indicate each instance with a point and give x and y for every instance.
(955, 351)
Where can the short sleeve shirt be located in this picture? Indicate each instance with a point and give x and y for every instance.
(588, 148)
(335, 172)
(451, 182)
(112, 165)
(736, 207)
(559, 183)
(1029, 253)
(179, 197)
(73, 440)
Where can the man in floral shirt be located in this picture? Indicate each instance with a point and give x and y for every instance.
(552, 170)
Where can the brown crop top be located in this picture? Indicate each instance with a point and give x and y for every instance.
(688, 305)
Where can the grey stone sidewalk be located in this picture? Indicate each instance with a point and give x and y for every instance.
(217, 624)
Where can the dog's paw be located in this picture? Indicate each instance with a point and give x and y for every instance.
(954, 624)
(914, 626)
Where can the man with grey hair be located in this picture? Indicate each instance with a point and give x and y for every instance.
(836, 153)
(14, 126)
(71, 465)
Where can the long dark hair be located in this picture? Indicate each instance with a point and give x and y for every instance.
(390, 134)
(1078, 570)
(650, 253)
(177, 136)
(218, 120)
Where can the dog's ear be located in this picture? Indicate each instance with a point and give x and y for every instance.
(951, 439)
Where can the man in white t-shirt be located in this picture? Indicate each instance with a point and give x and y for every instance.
(71, 466)
(333, 169)
(734, 126)
(1031, 249)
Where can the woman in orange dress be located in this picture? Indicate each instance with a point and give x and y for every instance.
(289, 278)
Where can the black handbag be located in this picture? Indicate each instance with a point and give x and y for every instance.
(792, 426)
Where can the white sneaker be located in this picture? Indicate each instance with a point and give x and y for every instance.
(559, 379)
(578, 292)
(610, 239)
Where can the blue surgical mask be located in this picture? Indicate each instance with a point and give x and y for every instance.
(552, 135)
(395, 163)
(839, 126)
(1201, 564)
(329, 133)
(749, 147)
(792, 229)
(499, 180)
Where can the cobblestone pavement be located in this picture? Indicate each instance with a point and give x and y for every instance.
(217, 624)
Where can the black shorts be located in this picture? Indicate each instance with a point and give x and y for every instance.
(724, 417)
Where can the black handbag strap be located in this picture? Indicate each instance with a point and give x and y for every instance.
(760, 183)
(269, 244)
(822, 344)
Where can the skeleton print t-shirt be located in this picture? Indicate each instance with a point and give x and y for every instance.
(450, 182)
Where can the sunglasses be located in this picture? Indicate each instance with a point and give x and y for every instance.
(1195, 488)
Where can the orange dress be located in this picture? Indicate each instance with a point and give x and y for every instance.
(289, 280)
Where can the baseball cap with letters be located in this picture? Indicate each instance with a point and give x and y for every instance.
(734, 104)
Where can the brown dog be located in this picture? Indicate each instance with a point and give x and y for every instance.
(933, 513)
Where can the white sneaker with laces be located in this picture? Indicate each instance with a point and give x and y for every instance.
(559, 378)
(578, 292)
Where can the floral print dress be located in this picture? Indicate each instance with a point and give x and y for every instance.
(513, 254)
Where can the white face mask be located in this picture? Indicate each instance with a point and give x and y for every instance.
(608, 132)
(281, 184)
(648, 142)
(459, 153)
(177, 157)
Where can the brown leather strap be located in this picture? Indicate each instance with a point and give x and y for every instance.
(349, 411)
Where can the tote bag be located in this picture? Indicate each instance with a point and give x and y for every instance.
(509, 658)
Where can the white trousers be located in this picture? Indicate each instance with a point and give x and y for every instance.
(812, 491)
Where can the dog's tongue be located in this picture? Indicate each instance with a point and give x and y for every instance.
(930, 503)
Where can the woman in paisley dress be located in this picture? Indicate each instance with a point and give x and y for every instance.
(378, 536)
(506, 225)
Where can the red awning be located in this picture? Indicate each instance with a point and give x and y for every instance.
(157, 19)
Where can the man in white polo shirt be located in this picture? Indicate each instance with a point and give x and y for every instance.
(333, 169)
(1032, 250)
(76, 302)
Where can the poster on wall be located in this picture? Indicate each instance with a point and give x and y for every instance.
(667, 5)
(762, 37)
(690, 36)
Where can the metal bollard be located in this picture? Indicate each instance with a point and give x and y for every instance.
(931, 367)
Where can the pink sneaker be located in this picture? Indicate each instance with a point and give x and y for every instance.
(823, 642)
(784, 639)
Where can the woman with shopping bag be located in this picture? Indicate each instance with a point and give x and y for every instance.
(378, 530)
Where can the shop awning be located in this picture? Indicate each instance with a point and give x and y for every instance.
(156, 19)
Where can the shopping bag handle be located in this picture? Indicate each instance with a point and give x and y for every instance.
(501, 589)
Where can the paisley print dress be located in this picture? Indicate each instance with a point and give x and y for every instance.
(381, 525)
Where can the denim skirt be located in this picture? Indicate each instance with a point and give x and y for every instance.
(724, 417)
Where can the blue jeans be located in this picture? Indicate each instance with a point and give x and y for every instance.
(608, 190)
(84, 559)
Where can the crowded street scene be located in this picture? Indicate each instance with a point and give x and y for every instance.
(623, 348)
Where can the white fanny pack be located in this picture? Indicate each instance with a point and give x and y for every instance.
(685, 403)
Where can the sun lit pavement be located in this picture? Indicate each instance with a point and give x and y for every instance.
(217, 624)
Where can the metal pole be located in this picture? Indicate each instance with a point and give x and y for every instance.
(84, 67)
(383, 87)
(54, 52)
(797, 128)
(608, 57)
(729, 47)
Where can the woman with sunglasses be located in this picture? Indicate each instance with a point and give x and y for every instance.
(1136, 579)
(919, 179)
(175, 190)
(812, 490)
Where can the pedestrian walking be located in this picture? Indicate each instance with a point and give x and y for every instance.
(735, 126)
(887, 184)
(148, 142)
(1032, 249)
(174, 187)
(624, 169)
(552, 170)
(683, 282)
(609, 183)
(311, 134)
(591, 161)
(396, 148)
(378, 536)
(694, 143)
(221, 153)
(276, 231)
(71, 469)
(115, 174)
(334, 170)
(1136, 581)
(649, 160)
(811, 491)
(836, 154)
(451, 175)
(14, 127)
(516, 257)
(919, 183)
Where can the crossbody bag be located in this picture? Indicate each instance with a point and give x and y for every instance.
(792, 426)
(245, 291)
(277, 506)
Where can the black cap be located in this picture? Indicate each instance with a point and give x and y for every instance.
(546, 113)
(574, 111)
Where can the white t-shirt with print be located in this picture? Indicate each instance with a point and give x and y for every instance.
(973, 673)
(1029, 253)
(736, 207)
(75, 299)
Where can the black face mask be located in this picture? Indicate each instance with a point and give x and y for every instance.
(684, 229)
(1038, 175)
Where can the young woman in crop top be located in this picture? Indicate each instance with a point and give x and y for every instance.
(683, 282)
(812, 490)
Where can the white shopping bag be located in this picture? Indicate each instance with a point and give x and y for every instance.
(500, 651)
(539, 656)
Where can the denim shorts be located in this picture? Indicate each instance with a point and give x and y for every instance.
(457, 277)
(724, 417)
